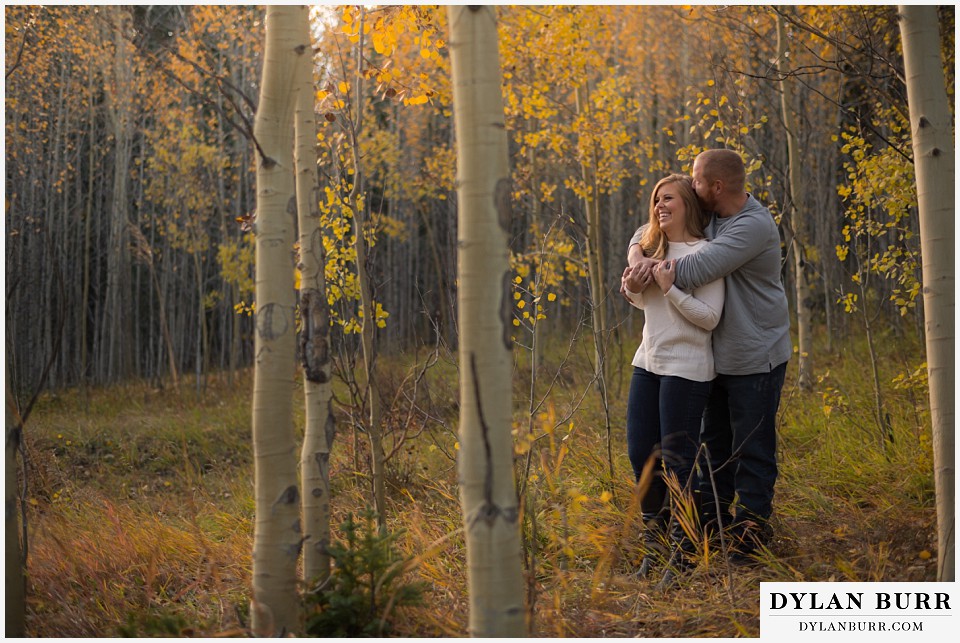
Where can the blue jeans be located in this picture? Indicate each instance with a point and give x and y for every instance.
(740, 435)
(664, 415)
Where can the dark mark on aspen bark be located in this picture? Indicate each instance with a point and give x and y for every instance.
(289, 496)
(502, 200)
(488, 511)
(271, 322)
(506, 311)
(314, 349)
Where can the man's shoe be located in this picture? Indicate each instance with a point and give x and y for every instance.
(646, 566)
(677, 568)
(669, 580)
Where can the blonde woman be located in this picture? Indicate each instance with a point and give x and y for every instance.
(673, 366)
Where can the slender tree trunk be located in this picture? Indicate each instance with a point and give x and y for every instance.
(145, 253)
(798, 214)
(367, 306)
(115, 357)
(933, 151)
(87, 220)
(487, 492)
(275, 610)
(14, 586)
(315, 331)
(594, 244)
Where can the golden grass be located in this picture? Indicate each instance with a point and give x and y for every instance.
(140, 503)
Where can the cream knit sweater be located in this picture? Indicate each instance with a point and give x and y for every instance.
(678, 326)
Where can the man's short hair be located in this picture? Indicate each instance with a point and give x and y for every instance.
(724, 165)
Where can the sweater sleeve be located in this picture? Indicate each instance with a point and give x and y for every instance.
(741, 241)
(703, 307)
(635, 299)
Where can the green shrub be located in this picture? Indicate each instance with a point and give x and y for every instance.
(366, 584)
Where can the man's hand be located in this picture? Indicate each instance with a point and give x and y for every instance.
(665, 274)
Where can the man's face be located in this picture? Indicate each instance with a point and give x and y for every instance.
(704, 194)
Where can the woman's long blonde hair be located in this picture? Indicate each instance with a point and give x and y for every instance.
(654, 241)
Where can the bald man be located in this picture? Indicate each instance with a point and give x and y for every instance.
(751, 347)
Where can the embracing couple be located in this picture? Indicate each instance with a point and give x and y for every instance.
(708, 374)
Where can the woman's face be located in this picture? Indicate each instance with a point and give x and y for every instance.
(670, 210)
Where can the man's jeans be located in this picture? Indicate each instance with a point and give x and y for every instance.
(739, 432)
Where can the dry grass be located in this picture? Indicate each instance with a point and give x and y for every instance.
(141, 508)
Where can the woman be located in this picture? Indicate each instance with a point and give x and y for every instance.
(673, 366)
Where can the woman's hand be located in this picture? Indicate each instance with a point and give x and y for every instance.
(665, 273)
(636, 278)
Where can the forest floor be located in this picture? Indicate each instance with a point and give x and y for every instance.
(140, 505)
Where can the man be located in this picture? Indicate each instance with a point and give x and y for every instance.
(751, 347)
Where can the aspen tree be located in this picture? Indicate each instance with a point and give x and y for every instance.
(276, 548)
(15, 606)
(933, 150)
(116, 358)
(487, 493)
(798, 228)
(315, 351)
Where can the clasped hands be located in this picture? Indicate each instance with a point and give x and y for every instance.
(637, 277)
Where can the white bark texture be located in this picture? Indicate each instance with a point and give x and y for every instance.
(798, 214)
(933, 154)
(487, 493)
(315, 331)
(276, 605)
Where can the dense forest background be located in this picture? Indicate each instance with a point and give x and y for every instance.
(130, 201)
(129, 167)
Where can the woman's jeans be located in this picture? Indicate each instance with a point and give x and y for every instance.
(663, 411)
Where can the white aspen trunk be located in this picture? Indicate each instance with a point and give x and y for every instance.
(933, 150)
(14, 599)
(798, 214)
(591, 204)
(116, 354)
(276, 604)
(315, 331)
(487, 493)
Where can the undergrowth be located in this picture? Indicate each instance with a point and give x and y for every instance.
(140, 504)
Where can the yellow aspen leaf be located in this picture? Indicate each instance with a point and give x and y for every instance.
(343, 87)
